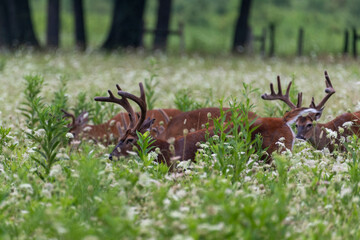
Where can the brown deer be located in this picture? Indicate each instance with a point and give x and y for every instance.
(110, 131)
(185, 147)
(316, 134)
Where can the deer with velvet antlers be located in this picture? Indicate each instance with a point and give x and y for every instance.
(184, 147)
(316, 134)
(110, 131)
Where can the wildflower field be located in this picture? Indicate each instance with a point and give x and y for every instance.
(52, 190)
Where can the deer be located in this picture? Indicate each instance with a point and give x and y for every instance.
(308, 129)
(186, 146)
(110, 131)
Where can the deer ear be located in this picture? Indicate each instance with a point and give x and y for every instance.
(147, 124)
(82, 118)
(318, 114)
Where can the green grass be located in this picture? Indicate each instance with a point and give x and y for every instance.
(307, 194)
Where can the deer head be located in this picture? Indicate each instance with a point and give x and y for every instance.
(305, 124)
(129, 139)
(76, 127)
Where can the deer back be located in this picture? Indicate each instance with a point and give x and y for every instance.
(195, 120)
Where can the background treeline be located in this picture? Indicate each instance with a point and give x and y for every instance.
(210, 24)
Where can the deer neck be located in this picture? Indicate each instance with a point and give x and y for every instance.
(319, 139)
(165, 154)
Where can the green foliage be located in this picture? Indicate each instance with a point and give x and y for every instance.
(353, 149)
(83, 104)
(48, 136)
(5, 140)
(150, 84)
(144, 142)
(185, 101)
(232, 145)
(2, 64)
(99, 112)
(103, 111)
(33, 87)
(60, 95)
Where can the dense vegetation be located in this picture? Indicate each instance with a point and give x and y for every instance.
(209, 24)
(52, 190)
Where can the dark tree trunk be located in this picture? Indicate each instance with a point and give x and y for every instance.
(53, 24)
(80, 36)
(16, 24)
(162, 25)
(127, 24)
(5, 31)
(242, 28)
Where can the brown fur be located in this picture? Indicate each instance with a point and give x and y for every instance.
(194, 121)
(108, 132)
(316, 133)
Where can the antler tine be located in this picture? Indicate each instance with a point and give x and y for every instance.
(140, 101)
(329, 90)
(299, 101)
(279, 96)
(67, 114)
(122, 102)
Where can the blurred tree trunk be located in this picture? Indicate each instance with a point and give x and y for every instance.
(80, 36)
(127, 24)
(242, 29)
(19, 19)
(16, 27)
(5, 32)
(162, 25)
(53, 24)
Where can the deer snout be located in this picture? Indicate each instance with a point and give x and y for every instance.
(300, 137)
(110, 157)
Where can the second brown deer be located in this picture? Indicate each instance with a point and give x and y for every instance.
(110, 131)
(344, 125)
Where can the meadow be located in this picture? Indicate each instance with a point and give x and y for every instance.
(304, 194)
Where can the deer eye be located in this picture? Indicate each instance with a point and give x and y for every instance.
(130, 140)
(296, 126)
(309, 125)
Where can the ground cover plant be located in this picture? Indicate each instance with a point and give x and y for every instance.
(80, 194)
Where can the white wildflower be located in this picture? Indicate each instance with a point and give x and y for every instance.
(176, 214)
(215, 137)
(329, 206)
(40, 133)
(47, 190)
(340, 167)
(55, 171)
(87, 129)
(27, 187)
(166, 202)
(211, 227)
(345, 191)
(152, 156)
(184, 164)
(69, 135)
(347, 124)
(146, 180)
(204, 145)
(330, 133)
